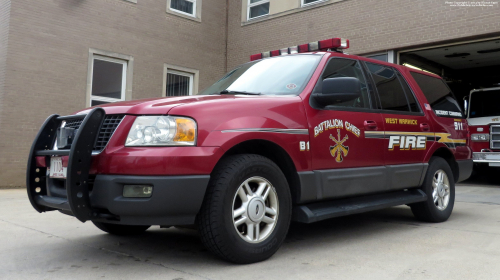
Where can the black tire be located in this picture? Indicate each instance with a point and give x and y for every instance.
(428, 211)
(215, 220)
(116, 229)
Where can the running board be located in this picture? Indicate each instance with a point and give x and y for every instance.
(318, 211)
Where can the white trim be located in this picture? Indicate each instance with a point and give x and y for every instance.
(302, 4)
(193, 74)
(390, 56)
(124, 79)
(258, 3)
(184, 13)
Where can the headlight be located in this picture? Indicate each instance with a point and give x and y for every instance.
(162, 131)
(480, 137)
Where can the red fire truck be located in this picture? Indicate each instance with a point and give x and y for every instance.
(301, 134)
(484, 125)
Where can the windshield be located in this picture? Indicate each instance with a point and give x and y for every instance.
(282, 75)
(484, 104)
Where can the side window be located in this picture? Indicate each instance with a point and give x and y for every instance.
(409, 94)
(438, 95)
(339, 67)
(391, 93)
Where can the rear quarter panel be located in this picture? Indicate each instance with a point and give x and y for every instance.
(449, 132)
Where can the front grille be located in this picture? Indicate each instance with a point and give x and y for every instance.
(495, 137)
(74, 123)
(107, 129)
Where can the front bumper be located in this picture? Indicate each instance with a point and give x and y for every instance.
(176, 199)
(493, 158)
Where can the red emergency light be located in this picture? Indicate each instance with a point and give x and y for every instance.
(336, 44)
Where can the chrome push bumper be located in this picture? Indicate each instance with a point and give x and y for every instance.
(493, 158)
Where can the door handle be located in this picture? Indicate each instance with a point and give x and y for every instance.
(370, 125)
(425, 127)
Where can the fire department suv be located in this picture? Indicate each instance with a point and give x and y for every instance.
(302, 134)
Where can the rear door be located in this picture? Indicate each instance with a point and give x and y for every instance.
(407, 128)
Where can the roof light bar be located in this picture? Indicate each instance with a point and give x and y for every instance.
(334, 44)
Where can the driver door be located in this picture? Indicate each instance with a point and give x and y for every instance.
(347, 161)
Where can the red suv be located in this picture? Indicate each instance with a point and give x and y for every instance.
(299, 134)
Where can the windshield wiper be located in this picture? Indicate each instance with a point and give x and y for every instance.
(239, 92)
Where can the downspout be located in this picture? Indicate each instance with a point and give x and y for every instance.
(227, 35)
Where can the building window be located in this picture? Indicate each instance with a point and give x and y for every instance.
(380, 56)
(310, 2)
(187, 7)
(109, 77)
(109, 80)
(257, 8)
(179, 81)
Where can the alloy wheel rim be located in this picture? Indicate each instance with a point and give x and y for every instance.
(255, 209)
(441, 190)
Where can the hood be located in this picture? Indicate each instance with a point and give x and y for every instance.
(484, 120)
(154, 106)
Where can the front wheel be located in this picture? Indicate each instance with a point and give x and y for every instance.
(247, 209)
(439, 186)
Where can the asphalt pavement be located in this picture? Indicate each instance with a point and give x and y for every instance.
(385, 244)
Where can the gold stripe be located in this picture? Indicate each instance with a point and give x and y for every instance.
(445, 139)
(444, 136)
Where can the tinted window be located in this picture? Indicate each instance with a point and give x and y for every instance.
(484, 104)
(409, 94)
(338, 67)
(438, 95)
(391, 93)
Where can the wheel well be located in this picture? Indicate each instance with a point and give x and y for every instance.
(448, 156)
(275, 153)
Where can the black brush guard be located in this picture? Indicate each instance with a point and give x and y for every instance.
(77, 178)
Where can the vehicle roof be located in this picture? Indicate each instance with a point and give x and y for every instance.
(402, 68)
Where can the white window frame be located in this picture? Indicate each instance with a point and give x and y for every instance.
(184, 74)
(302, 4)
(183, 71)
(124, 63)
(251, 5)
(184, 13)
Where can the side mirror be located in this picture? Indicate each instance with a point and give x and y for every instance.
(337, 90)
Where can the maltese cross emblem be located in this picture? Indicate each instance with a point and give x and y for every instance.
(339, 150)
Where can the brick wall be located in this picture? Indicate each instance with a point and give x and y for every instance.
(4, 40)
(371, 25)
(48, 59)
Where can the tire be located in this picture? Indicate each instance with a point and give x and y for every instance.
(235, 239)
(116, 229)
(439, 211)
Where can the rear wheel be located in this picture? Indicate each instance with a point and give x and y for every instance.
(247, 209)
(116, 229)
(439, 186)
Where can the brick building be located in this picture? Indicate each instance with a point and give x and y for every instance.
(60, 56)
